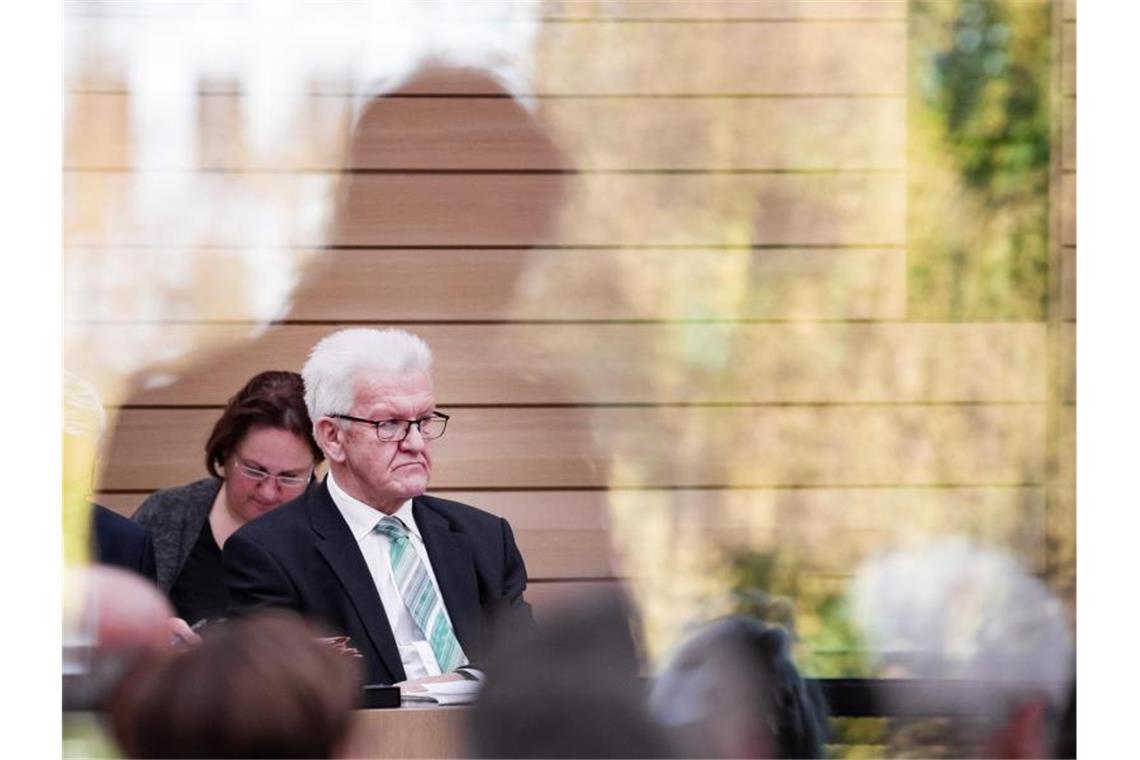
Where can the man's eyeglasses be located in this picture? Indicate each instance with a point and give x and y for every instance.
(430, 427)
(285, 482)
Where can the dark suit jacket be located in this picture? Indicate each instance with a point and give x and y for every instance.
(303, 556)
(120, 542)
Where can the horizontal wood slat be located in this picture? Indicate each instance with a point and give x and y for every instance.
(465, 133)
(1068, 349)
(623, 364)
(848, 58)
(576, 284)
(852, 57)
(1066, 446)
(1069, 59)
(650, 447)
(1069, 209)
(567, 534)
(1069, 133)
(823, 10)
(729, 10)
(498, 210)
(1069, 283)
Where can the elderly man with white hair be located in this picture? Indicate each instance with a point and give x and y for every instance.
(417, 583)
(985, 640)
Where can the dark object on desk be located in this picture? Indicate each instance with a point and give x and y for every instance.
(378, 697)
(120, 542)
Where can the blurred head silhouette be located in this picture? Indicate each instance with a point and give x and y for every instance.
(569, 688)
(732, 691)
(957, 611)
(262, 686)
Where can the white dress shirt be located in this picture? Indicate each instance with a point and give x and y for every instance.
(415, 652)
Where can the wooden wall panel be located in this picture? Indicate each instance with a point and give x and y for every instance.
(592, 134)
(743, 446)
(640, 363)
(777, 161)
(1069, 133)
(817, 10)
(1069, 283)
(1068, 350)
(1068, 209)
(481, 285)
(585, 10)
(510, 210)
(854, 57)
(1069, 59)
(771, 58)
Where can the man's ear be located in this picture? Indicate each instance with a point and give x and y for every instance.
(330, 437)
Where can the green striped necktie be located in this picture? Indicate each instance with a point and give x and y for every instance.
(419, 594)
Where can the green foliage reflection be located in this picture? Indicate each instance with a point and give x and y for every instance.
(978, 160)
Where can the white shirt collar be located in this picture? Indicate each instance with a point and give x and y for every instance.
(362, 518)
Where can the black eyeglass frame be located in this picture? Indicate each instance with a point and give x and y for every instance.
(407, 425)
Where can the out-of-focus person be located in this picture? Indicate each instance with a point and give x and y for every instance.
(260, 454)
(568, 687)
(114, 540)
(732, 690)
(416, 582)
(987, 643)
(117, 615)
(263, 686)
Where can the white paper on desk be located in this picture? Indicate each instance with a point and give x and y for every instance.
(445, 693)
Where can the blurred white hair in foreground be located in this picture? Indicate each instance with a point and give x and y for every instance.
(157, 232)
(955, 610)
(83, 412)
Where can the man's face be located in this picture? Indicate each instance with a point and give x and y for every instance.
(384, 474)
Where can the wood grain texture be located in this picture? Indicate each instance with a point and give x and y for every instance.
(558, 284)
(1069, 59)
(505, 210)
(654, 364)
(824, 10)
(1069, 133)
(665, 446)
(1069, 283)
(604, 57)
(1068, 351)
(409, 732)
(1069, 209)
(821, 10)
(606, 134)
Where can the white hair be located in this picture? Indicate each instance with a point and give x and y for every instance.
(338, 359)
(953, 610)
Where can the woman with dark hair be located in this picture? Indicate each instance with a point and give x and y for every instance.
(260, 454)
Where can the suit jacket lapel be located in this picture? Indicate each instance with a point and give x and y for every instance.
(337, 545)
(454, 567)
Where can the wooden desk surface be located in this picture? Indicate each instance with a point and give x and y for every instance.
(399, 732)
(410, 732)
